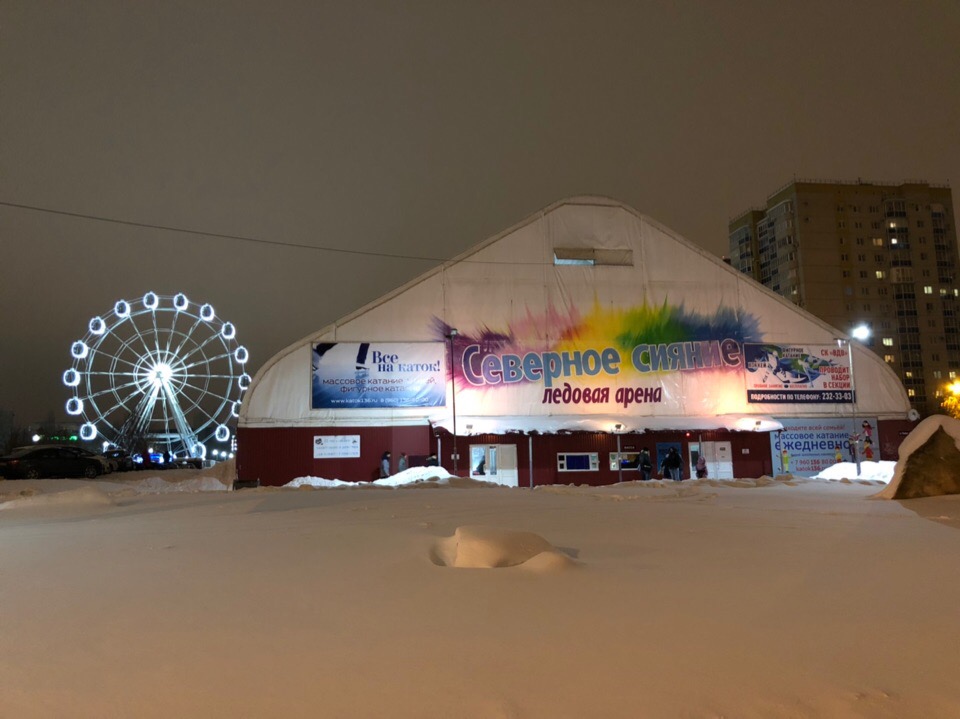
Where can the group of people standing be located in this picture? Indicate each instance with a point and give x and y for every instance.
(671, 466)
(386, 463)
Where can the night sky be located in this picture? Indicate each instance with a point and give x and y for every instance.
(414, 129)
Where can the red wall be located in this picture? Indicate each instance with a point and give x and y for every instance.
(273, 456)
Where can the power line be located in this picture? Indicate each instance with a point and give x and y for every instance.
(219, 235)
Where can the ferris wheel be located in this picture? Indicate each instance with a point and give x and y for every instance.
(160, 369)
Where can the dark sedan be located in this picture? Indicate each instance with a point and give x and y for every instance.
(33, 462)
(123, 460)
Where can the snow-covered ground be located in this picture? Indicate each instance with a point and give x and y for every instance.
(766, 598)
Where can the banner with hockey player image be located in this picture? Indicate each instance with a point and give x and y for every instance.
(781, 374)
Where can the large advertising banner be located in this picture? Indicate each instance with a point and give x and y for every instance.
(806, 447)
(782, 374)
(354, 375)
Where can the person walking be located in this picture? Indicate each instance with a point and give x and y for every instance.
(403, 463)
(673, 464)
(385, 465)
(645, 465)
(701, 467)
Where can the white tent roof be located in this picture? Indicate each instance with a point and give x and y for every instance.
(506, 296)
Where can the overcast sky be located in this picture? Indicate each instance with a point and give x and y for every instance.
(416, 129)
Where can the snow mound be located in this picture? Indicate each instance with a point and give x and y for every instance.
(480, 547)
(85, 496)
(195, 483)
(930, 475)
(413, 477)
(881, 471)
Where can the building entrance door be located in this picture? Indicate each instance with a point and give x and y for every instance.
(494, 463)
(719, 456)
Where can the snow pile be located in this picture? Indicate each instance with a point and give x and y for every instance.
(920, 435)
(87, 495)
(415, 476)
(881, 471)
(480, 547)
(190, 483)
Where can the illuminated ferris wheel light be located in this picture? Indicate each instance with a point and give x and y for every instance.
(88, 431)
(161, 374)
(97, 326)
(159, 367)
(79, 349)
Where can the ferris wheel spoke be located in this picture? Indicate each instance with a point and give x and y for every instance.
(187, 335)
(200, 348)
(204, 390)
(209, 360)
(112, 390)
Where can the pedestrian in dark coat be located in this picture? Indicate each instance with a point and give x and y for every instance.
(385, 465)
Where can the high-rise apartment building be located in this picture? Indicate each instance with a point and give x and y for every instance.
(882, 255)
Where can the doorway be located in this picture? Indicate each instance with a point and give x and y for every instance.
(719, 456)
(494, 463)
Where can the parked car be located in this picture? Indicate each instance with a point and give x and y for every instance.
(122, 459)
(49, 461)
(108, 464)
(186, 462)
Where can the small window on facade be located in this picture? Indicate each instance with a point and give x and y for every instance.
(578, 462)
(881, 274)
(927, 290)
(911, 392)
(888, 341)
(591, 256)
(889, 359)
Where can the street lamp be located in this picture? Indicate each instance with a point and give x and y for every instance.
(451, 336)
(862, 333)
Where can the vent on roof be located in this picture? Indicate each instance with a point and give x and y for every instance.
(591, 256)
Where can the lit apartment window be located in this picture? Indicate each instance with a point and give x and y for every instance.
(889, 359)
(908, 375)
(888, 341)
(952, 375)
(877, 241)
(927, 290)
(881, 274)
(938, 374)
(911, 393)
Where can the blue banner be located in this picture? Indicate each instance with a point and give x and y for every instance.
(353, 375)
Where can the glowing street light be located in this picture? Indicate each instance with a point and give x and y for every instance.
(860, 333)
